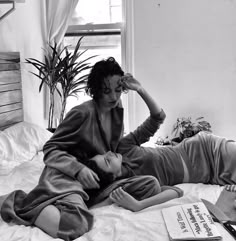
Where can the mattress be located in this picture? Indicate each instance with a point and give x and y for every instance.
(21, 164)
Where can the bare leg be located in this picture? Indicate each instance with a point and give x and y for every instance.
(48, 220)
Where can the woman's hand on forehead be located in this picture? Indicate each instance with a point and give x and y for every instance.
(129, 82)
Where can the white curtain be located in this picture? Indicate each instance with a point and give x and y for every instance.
(57, 14)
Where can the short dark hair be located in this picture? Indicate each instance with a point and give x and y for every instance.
(105, 177)
(101, 70)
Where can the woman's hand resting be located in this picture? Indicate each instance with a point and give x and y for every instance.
(130, 83)
(88, 178)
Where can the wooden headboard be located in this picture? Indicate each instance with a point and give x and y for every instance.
(11, 106)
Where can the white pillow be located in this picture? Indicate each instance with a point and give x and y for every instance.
(29, 134)
(20, 143)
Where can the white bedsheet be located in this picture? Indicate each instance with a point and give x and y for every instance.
(112, 223)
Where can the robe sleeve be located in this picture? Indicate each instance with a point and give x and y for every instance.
(57, 150)
(129, 143)
(143, 133)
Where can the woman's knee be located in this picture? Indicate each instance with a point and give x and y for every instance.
(75, 220)
(48, 220)
(65, 221)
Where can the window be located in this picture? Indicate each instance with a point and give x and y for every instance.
(100, 22)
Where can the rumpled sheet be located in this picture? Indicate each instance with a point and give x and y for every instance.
(112, 223)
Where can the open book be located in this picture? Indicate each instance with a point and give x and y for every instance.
(190, 222)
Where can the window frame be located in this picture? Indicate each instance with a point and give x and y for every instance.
(94, 29)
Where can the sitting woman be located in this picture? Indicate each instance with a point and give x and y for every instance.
(92, 127)
(57, 205)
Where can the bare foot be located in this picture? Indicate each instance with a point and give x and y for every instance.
(125, 200)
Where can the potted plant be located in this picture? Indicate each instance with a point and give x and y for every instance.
(49, 72)
(61, 71)
(185, 127)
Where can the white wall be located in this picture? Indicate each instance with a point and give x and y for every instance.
(185, 56)
(21, 31)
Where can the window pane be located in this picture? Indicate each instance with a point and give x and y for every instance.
(104, 46)
(97, 12)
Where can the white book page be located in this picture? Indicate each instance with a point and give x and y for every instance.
(190, 221)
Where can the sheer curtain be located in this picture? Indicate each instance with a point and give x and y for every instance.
(57, 14)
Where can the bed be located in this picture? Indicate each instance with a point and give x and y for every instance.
(21, 163)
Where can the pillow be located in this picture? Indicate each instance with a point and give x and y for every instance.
(21, 142)
(25, 133)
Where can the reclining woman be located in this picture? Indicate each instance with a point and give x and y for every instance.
(95, 126)
(203, 158)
